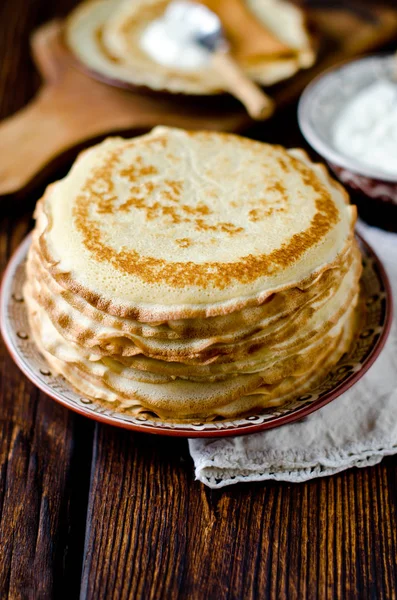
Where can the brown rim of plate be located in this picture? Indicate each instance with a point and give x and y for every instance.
(236, 430)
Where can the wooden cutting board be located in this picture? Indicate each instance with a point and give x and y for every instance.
(71, 109)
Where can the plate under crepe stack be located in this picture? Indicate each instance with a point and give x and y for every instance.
(193, 275)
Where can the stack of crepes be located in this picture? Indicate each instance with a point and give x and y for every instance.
(269, 38)
(193, 275)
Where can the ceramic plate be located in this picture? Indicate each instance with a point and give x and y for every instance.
(367, 346)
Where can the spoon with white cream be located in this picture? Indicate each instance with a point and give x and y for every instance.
(191, 35)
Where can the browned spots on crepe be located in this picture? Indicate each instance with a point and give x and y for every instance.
(103, 48)
(98, 196)
(169, 207)
(138, 170)
(270, 205)
(184, 242)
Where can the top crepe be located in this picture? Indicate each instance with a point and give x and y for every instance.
(177, 224)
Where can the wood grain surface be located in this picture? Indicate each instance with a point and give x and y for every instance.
(93, 512)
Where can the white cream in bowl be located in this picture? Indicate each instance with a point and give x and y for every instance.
(366, 127)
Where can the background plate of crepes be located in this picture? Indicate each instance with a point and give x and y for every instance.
(369, 340)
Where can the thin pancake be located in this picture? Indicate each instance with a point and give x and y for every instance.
(104, 35)
(235, 237)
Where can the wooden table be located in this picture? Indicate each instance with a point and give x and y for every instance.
(88, 509)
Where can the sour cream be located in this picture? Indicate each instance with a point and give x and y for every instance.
(366, 128)
(168, 41)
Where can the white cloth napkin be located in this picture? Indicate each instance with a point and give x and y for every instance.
(356, 430)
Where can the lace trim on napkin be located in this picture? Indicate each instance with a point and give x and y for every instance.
(275, 466)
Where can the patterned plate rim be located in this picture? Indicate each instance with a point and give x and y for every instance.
(230, 428)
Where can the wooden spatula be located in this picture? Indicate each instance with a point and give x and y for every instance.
(192, 21)
(72, 108)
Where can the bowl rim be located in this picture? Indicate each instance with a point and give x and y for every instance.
(326, 150)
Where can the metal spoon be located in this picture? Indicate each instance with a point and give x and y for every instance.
(193, 22)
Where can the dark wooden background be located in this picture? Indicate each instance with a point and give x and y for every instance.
(90, 510)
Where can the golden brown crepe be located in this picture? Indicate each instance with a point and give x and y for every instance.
(193, 275)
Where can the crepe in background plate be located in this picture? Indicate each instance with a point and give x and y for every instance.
(105, 36)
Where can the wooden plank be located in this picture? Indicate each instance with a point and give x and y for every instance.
(153, 532)
(138, 515)
(45, 456)
(44, 450)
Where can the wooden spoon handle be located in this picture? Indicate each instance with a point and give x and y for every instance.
(258, 104)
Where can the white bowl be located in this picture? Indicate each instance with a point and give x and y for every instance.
(319, 106)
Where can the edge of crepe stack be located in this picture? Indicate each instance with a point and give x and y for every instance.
(181, 400)
(106, 340)
(276, 360)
